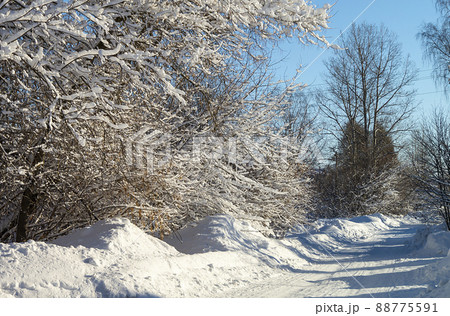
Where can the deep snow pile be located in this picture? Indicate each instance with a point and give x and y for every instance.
(329, 235)
(435, 242)
(431, 241)
(353, 229)
(103, 260)
(225, 233)
(218, 255)
(114, 258)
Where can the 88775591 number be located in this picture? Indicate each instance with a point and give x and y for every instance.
(406, 307)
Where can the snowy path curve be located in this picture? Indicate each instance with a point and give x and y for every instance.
(380, 266)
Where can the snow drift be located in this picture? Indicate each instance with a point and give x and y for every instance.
(114, 258)
(435, 242)
(225, 233)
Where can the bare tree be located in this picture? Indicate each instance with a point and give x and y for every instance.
(368, 83)
(436, 41)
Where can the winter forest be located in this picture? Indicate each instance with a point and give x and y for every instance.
(167, 112)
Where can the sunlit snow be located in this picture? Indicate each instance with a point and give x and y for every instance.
(222, 256)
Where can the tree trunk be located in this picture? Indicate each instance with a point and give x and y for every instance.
(28, 204)
(27, 207)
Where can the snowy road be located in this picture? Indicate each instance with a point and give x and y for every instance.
(380, 266)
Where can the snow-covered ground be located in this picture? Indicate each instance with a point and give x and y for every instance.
(368, 256)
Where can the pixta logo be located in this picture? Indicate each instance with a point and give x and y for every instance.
(150, 150)
(143, 149)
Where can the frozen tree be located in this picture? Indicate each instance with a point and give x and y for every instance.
(431, 163)
(349, 188)
(299, 123)
(366, 101)
(91, 90)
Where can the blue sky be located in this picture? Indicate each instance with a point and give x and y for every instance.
(403, 17)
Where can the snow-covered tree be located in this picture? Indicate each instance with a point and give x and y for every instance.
(352, 186)
(91, 90)
(366, 102)
(431, 164)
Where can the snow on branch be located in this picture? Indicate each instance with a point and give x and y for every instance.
(80, 79)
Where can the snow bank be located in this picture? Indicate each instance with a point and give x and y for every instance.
(434, 241)
(217, 233)
(438, 275)
(114, 258)
(437, 244)
(351, 230)
(117, 235)
(332, 233)
(431, 241)
(91, 262)
(225, 233)
(380, 221)
(362, 227)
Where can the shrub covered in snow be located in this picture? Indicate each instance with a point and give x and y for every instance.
(102, 103)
